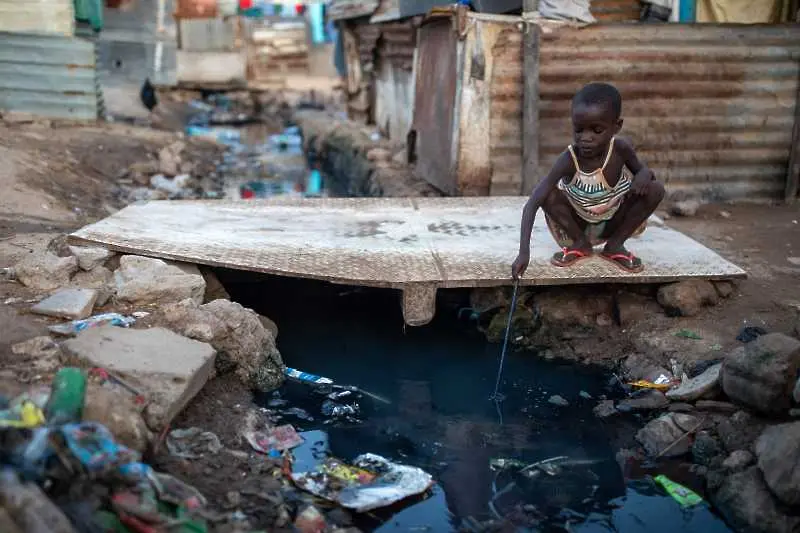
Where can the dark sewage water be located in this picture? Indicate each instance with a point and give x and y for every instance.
(439, 379)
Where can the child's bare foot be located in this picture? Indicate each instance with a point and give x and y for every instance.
(570, 255)
(623, 259)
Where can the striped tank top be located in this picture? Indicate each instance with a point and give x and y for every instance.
(590, 194)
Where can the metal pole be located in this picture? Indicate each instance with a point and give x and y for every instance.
(530, 109)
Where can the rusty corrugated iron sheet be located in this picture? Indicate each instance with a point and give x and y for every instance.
(616, 10)
(434, 104)
(350, 9)
(398, 42)
(49, 76)
(709, 107)
(387, 11)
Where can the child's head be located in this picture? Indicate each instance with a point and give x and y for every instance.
(596, 118)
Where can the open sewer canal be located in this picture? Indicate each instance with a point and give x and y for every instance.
(438, 380)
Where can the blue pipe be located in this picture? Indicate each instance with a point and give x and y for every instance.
(687, 10)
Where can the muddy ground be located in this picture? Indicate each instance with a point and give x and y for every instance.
(58, 178)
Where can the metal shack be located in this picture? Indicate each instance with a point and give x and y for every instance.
(711, 107)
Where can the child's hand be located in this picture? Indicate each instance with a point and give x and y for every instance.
(642, 180)
(519, 265)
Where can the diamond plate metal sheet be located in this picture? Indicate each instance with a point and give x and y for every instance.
(383, 242)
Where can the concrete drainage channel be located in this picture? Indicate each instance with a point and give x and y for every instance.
(581, 443)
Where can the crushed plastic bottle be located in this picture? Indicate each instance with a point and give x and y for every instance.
(337, 410)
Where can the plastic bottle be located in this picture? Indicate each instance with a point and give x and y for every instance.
(67, 395)
(336, 410)
(30, 508)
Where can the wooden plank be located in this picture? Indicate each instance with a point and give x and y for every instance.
(530, 110)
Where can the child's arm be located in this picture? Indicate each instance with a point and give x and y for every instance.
(562, 167)
(642, 175)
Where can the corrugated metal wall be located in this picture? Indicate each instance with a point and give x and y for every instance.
(49, 76)
(53, 17)
(394, 81)
(710, 108)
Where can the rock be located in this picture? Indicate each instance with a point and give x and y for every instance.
(90, 257)
(714, 406)
(685, 208)
(778, 451)
(796, 391)
(557, 308)
(242, 342)
(45, 271)
(724, 288)
(747, 505)
(645, 400)
(558, 400)
(72, 304)
(41, 354)
(144, 280)
(680, 408)
(740, 431)
(665, 430)
(524, 323)
(140, 172)
(686, 298)
(271, 326)
(638, 367)
(214, 288)
(59, 246)
(98, 278)
(705, 448)
(483, 299)
(116, 411)
(762, 373)
(169, 369)
(738, 461)
(630, 307)
(169, 159)
(604, 409)
(704, 385)
(233, 498)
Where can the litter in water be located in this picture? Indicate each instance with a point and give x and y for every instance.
(278, 439)
(370, 483)
(662, 383)
(684, 496)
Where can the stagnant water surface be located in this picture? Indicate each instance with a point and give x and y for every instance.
(438, 379)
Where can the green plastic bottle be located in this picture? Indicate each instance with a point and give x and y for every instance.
(67, 394)
(684, 496)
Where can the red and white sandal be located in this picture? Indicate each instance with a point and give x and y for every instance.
(568, 257)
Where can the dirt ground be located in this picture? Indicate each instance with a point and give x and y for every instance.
(57, 179)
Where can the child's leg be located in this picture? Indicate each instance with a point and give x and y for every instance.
(633, 212)
(561, 212)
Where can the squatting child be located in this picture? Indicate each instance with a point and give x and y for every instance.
(598, 191)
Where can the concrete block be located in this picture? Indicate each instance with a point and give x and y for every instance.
(72, 304)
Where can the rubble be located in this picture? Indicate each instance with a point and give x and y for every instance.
(685, 208)
(72, 304)
(761, 374)
(90, 257)
(686, 298)
(747, 504)
(45, 271)
(116, 409)
(704, 385)
(145, 280)
(170, 369)
(644, 400)
(667, 434)
(242, 342)
(778, 451)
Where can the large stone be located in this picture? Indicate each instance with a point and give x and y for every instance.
(687, 298)
(796, 392)
(666, 430)
(90, 257)
(214, 288)
(705, 448)
(738, 461)
(702, 386)
(72, 304)
(145, 280)
(117, 411)
(778, 451)
(639, 367)
(99, 278)
(740, 431)
(40, 355)
(242, 342)
(645, 400)
(747, 505)
(45, 271)
(167, 368)
(483, 299)
(762, 373)
(557, 307)
(169, 159)
(631, 308)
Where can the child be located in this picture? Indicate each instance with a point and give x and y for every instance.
(597, 191)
